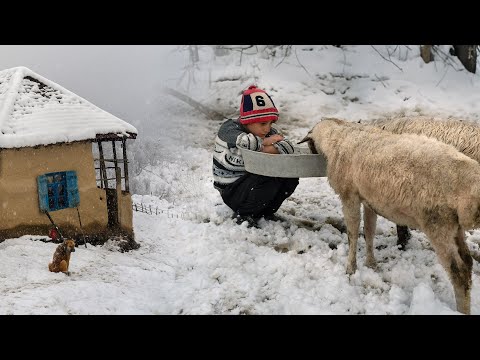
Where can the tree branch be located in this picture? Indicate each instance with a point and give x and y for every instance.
(383, 57)
(211, 114)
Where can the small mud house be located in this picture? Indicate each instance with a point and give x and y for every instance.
(60, 157)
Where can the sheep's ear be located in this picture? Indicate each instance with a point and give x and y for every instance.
(306, 138)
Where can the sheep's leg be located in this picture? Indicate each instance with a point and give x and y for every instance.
(462, 274)
(404, 235)
(452, 252)
(351, 212)
(369, 225)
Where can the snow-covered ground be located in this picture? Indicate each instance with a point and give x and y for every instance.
(194, 259)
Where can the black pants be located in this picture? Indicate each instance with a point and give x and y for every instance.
(258, 195)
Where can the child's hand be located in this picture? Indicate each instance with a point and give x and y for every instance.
(272, 139)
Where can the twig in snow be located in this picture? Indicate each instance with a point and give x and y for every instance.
(285, 55)
(383, 57)
(303, 67)
(380, 81)
(445, 73)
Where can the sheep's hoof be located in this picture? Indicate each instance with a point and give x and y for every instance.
(351, 269)
(371, 263)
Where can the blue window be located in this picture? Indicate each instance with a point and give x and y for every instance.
(58, 190)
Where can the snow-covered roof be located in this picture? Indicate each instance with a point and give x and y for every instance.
(36, 111)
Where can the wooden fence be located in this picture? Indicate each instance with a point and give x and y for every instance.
(155, 210)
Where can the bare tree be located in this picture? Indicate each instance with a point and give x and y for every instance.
(426, 53)
(467, 54)
(191, 67)
(193, 51)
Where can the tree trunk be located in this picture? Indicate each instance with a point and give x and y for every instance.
(193, 50)
(467, 54)
(210, 113)
(220, 50)
(426, 53)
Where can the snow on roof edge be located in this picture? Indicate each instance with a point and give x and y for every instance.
(11, 95)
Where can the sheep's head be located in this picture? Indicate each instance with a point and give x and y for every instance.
(311, 143)
(320, 131)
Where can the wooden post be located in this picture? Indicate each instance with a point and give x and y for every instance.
(115, 162)
(103, 171)
(125, 164)
(118, 177)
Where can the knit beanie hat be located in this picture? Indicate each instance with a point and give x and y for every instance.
(257, 106)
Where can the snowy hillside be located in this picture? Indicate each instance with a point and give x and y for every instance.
(194, 259)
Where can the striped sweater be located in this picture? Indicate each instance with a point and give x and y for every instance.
(228, 163)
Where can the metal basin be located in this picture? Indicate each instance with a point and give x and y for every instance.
(301, 163)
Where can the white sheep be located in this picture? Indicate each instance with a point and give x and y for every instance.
(409, 179)
(464, 135)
